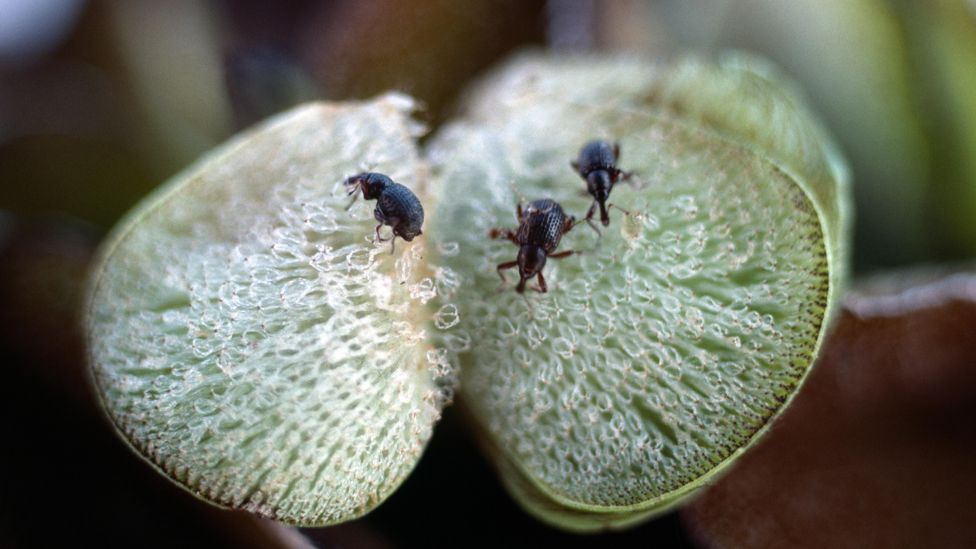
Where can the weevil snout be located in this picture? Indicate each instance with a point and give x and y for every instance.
(531, 261)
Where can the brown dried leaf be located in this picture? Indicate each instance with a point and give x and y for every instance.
(878, 448)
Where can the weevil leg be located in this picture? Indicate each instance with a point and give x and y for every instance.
(379, 216)
(542, 283)
(575, 165)
(626, 177)
(568, 224)
(616, 151)
(589, 220)
(566, 253)
(518, 212)
(393, 222)
(502, 266)
(499, 234)
(380, 238)
(619, 208)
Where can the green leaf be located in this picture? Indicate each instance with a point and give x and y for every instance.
(941, 37)
(248, 340)
(663, 351)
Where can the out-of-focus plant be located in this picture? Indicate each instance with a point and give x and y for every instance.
(941, 38)
(893, 81)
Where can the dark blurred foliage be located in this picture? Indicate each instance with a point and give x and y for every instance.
(101, 101)
(140, 89)
(428, 49)
(66, 479)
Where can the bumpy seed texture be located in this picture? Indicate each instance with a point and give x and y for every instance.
(248, 340)
(672, 341)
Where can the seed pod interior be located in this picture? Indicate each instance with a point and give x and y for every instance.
(249, 341)
(670, 344)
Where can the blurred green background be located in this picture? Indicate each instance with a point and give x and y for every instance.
(101, 101)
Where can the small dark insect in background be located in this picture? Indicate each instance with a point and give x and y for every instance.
(541, 226)
(597, 165)
(396, 205)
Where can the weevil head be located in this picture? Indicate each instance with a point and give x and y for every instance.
(371, 183)
(407, 234)
(598, 184)
(531, 260)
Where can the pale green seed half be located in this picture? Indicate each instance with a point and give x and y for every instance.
(249, 341)
(666, 348)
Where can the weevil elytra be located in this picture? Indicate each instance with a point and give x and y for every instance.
(541, 226)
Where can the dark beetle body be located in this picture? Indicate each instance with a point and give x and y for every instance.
(396, 205)
(597, 155)
(399, 208)
(597, 165)
(541, 226)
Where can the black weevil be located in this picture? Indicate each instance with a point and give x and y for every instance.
(597, 165)
(396, 205)
(541, 226)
